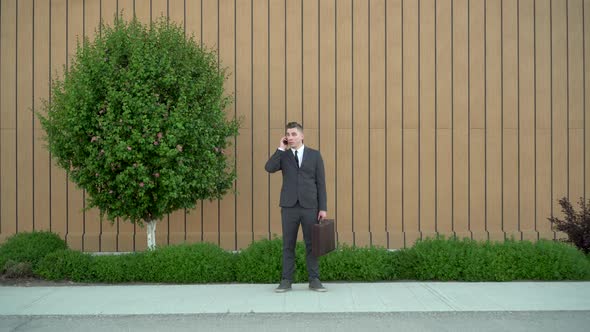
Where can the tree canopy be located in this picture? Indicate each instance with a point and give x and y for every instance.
(139, 121)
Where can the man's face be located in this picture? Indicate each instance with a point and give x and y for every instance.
(295, 138)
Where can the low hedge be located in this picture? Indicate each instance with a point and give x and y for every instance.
(261, 262)
(469, 260)
(431, 259)
(30, 247)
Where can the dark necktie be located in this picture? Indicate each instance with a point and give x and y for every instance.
(296, 159)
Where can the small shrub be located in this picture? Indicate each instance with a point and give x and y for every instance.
(30, 247)
(469, 260)
(576, 224)
(14, 269)
(358, 264)
(401, 265)
(187, 263)
(261, 262)
(438, 259)
(559, 261)
(67, 264)
(120, 268)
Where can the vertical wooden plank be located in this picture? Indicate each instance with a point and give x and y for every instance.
(377, 60)
(110, 231)
(427, 111)
(41, 159)
(92, 223)
(543, 118)
(444, 118)
(378, 233)
(177, 219)
(360, 117)
(576, 99)
(477, 146)
(310, 69)
(210, 39)
(411, 157)
(327, 97)
(59, 217)
(444, 143)
(394, 124)
(344, 186)
(108, 11)
(175, 11)
(193, 30)
(159, 9)
(444, 65)
(277, 95)
(293, 39)
(260, 117)
(277, 64)
(461, 119)
(8, 171)
(126, 9)
(227, 206)
(24, 117)
(494, 119)
(75, 26)
(510, 113)
(586, 99)
(143, 11)
(377, 138)
(526, 66)
(244, 111)
(559, 105)
(344, 226)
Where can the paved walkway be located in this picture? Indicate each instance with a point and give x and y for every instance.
(390, 297)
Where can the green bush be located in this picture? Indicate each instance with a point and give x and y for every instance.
(119, 268)
(261, 262)
(469, 260)
(187, 263)
(439, 259)
(358, 264)
(30, 247)
(430, 259)
(67, 264)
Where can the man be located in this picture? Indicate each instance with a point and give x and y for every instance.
(303, 201)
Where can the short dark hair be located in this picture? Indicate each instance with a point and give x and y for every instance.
(292, 125)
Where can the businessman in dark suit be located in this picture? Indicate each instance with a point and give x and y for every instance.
(303, 201)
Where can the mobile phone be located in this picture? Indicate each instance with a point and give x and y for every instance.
(285, 141)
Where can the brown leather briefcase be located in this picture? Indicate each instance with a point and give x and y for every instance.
(323, 237)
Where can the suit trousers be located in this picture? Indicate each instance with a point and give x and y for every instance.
(292, 217)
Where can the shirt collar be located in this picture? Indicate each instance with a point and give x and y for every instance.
(300, 150)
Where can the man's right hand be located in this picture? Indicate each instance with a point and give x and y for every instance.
(282, 144)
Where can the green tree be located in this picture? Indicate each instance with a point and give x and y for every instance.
(138, 122)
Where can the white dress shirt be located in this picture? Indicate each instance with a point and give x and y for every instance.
(299, 153)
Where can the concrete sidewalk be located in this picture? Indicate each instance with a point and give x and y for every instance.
(390, 297)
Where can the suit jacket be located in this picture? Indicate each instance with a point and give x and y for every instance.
(306, 184)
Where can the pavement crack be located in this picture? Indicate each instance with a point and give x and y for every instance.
(441, 297)
(30, 304)
(21, 326)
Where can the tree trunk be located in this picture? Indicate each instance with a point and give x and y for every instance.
(151, 233)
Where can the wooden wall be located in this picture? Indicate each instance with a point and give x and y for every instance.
(433, 116)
